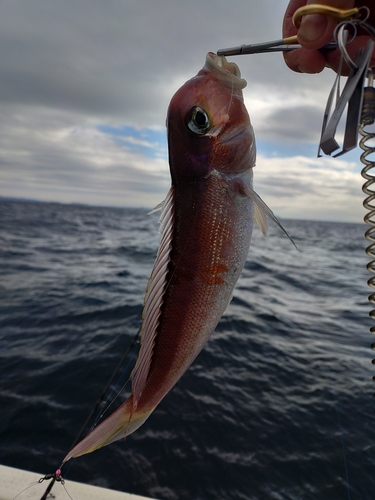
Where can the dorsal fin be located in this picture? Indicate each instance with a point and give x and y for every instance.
(158, 207)
(154, 299)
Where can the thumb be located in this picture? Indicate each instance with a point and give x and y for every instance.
(316, 30)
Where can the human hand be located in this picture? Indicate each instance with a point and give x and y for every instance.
(315, 31)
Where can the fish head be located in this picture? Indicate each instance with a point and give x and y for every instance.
(208, 124)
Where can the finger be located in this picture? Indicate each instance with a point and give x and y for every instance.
(288, 27)
(316, 30)
(305, 61)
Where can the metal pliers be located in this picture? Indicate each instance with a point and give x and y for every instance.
(291, 42)
(352, 94)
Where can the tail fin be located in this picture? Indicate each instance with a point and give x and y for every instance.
(119, 424)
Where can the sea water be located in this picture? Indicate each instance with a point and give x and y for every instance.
(277, 406)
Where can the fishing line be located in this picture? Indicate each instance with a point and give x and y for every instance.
(109, 405)
(231, 92)
(102, 398)
(95, 411)
(25, 489)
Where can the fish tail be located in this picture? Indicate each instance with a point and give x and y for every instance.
(124, 421)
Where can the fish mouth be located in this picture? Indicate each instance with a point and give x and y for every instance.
(227, 72)
(240, 133)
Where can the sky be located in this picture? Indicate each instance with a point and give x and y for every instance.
(85, 86)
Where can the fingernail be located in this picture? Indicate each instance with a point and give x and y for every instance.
(312, 27)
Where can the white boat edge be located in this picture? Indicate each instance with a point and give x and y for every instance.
(14, 481)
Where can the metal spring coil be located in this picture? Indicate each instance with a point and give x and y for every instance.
(367, 118)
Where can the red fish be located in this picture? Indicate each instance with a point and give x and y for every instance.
(206, 226)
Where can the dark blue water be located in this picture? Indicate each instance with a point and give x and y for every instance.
(278, 406)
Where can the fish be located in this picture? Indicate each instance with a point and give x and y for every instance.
(206, 225)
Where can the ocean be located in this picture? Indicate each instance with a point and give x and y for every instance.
(279, 405)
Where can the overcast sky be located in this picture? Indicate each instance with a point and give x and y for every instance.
(85, 85)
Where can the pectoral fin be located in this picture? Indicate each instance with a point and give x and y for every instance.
(261, 219)
(261, 210)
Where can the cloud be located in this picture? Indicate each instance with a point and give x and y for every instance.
(119, 59)
(294, 123)
(49, 157)
(310, 188)
(294, 115)
(85, 86)
(46, 155)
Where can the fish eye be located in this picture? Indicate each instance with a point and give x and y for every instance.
(197, 120)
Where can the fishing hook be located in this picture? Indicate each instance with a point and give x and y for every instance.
(56, 477)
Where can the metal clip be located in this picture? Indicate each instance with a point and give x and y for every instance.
(351, 98)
